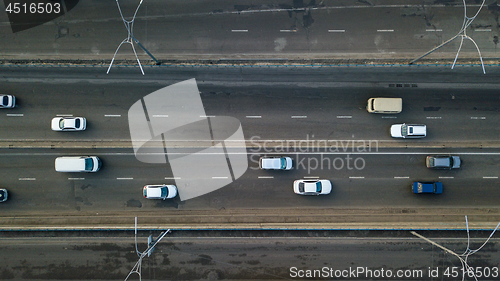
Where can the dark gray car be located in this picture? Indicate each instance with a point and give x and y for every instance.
(442, 162)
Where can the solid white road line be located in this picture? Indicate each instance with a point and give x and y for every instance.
(112, 115)
(265, 177)
(401, 177)
(15, 115)
(124, 178)
(27, 179)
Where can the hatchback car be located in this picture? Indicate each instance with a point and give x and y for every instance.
(275, 163)
(7, 101)
(427, 187)
(312, 187)
(442, 162)
(69, 124)
(408, 131)
(3, 194)
(159, 191)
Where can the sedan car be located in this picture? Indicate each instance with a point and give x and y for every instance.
(7, 101)
(442, 162)
(3, 194)
(427, 187)
(69, 124)
(159, 191)
(408, 131)
(312, 187)
(275, 163)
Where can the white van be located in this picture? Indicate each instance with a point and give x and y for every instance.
(275, 163)
(385, 105)
(71, 164)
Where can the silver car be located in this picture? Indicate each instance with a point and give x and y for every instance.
(312, 187)
(408, 131)
(442, 162)
(69, 124)
(7, 101)
(159, 191)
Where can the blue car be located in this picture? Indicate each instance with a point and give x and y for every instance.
(427, 187)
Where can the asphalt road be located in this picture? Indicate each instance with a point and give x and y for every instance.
(242, 258)
(459, 108)
(263, 29)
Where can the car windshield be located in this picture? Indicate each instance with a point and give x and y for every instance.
(283, 163)
(318, 187)
(61, 123)
(145, 191)
(404, 130)
(89, 164)
(77, 123)
(301, 187)
(164, 192)
(431, 162)
(5, 100)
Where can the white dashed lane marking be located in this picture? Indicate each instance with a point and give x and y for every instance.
(254, 116)
(76, 179)
(216, 178)
(385, 30)
(239, 30)
(264, 177)
(124, 178)
(490, 177)
(299, 117)
(401, 177)
(112, 115)
(15, 115)
(27, 179)
(336, 30)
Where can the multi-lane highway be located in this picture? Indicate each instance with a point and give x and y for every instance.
(187, 30)
(316, 116)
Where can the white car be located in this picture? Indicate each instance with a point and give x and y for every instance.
(275, 163)
(69, 124)
(312, 187)
(7, 101)
(408, 131)
(159, 191)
